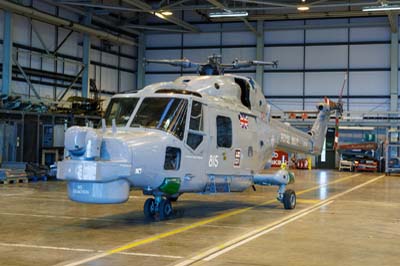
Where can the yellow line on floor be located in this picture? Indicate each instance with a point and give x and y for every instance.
(308, 201)
(195, 225)
(220, 249)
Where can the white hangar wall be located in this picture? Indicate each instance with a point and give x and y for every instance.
(113, 69)
(314, 56)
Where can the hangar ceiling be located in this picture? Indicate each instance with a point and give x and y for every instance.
(133, 16)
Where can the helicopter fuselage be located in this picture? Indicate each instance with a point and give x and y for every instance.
(197, 134)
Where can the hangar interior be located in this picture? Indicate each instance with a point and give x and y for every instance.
(62, 61)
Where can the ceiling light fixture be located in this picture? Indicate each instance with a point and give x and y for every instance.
(166, 13)
(159, 15)
(228, 14)
(303, 8)
(384, 7)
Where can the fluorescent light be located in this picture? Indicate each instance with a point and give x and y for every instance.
(381, 8)
(159, 15)
(228, 14)
(303, 8)
(167, 13)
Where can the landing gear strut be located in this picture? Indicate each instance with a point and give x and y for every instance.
(159, 206)
(287, 197)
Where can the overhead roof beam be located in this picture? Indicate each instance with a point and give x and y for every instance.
(167, 7)
(146, 7)
(222, 7)
(42, 16)
(269, 3)
(94, 18)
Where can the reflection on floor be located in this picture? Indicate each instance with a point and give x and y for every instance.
(341, 219)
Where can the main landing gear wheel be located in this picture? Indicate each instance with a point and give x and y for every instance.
(289, 199)
(149, 208)
(165, 209)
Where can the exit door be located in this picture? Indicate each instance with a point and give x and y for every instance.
(11, 140)
(327, 158)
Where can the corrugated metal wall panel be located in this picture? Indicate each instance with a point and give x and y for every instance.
(47, 33)
(70, 47)
(109, 59)
(370, 56)
(162, 54)
(230, 54)
(201, 39)
(372, 105)
(2, 21)
(167, 40)
(326, 57)
(154, 78)
(324, 83)
(283, 36)
(127, 81)
(21, 31)
(369, 83)
(283, 84)
(128, 63)
(326, 35)
(369, 34)
(285, 104)
(237, 38)
(109, 80)
(288, 57)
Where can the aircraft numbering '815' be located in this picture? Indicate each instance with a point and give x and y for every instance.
(207, 133)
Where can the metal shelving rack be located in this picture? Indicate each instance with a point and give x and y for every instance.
(392, 158)
(22, 133)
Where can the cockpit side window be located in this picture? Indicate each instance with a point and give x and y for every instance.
(120, 109)
(195, 136)
(245, 91)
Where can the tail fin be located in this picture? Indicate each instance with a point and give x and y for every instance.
(320, 126)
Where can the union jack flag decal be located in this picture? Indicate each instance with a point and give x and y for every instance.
(244, 121)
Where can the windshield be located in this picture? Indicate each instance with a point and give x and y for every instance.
(167, 114)
(120, 109)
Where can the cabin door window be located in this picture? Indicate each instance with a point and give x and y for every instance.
(224, 132)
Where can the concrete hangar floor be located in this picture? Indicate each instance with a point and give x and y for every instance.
(341, 218)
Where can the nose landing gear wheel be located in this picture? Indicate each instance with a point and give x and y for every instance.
(165, 209)
(174, 198)
(289, 199)
(149, 208)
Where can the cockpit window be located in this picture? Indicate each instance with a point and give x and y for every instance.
(120, 109)
(167, 114)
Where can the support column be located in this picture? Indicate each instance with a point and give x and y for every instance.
(394, 66)
(140, 64)
(260, 52)
(7, 54)
(86, 58)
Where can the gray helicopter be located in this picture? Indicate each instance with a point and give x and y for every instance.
(206, 133)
